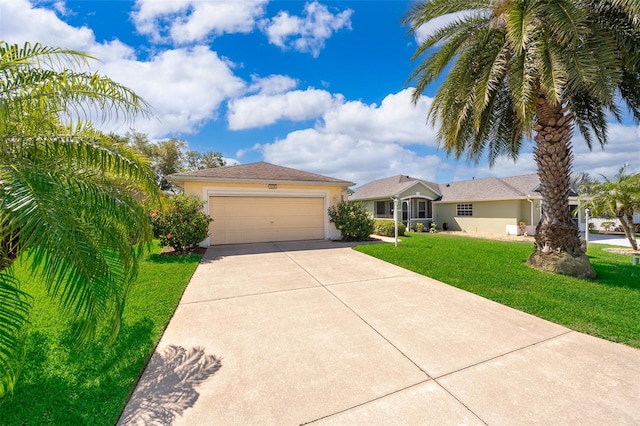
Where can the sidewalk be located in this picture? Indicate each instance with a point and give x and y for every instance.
(614, 240)
(317, 333)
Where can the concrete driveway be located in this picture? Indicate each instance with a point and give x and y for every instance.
(316, 333)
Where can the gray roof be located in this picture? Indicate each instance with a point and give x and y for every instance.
(259, 171)
(491, 188)
(389, 187)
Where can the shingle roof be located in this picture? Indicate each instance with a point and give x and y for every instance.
(490, 188)
(389, 187)
(259, 171)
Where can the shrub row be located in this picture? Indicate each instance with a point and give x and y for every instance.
(386, 228)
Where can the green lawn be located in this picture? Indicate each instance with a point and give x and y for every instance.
(608, 307)
(61, 384)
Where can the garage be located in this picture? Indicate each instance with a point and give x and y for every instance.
(265, 219)
(263, 202)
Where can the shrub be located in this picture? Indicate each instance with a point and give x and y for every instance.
(352, 219)
(181, 224)
(386, 228)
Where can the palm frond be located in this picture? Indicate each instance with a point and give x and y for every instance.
(51, 79)
(82, 231)
(15, 306)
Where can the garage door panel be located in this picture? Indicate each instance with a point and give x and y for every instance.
(263, 219)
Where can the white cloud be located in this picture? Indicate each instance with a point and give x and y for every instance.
(622, 148)
(309, 32)
(353, 140)
(397, 119)
(185, 86)
(21, 22)
(262, 110)
(429, 28)
(272, 84)
(188, 21)
(346, 157)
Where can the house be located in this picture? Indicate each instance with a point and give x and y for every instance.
(263, 202)
(510, 205)
(492, 205)
(415, 199)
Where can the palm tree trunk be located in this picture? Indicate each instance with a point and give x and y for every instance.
(626, 223)
(557, 236)
(556, 231)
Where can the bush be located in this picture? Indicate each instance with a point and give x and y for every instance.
(181, 224)
(386, 228)
(352, 219)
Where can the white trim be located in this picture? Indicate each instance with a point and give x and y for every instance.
(216, 191)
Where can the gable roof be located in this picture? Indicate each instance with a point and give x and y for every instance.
(389, 187)
(491, 188)
(256, 172)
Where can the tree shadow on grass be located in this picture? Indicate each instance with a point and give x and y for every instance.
(167, 387)
(615, 269)
(617, 275)
(175, 259)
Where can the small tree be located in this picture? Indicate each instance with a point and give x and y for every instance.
(352, 219)
(181, 224)
(618, 198)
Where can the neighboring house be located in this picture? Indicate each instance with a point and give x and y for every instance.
(262, 202)
(415, 198)
(490, 205)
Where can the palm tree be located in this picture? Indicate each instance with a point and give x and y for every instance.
(67, 194)
(618, 198)
(518, 68)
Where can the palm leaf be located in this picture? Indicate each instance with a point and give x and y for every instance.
(14, 311)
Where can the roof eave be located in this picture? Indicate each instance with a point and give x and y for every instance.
(181, 179)
(468, 200)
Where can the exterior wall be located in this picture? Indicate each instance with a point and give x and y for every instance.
(331, 195)
(489, 217)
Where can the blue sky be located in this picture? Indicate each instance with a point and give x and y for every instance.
(315, 85)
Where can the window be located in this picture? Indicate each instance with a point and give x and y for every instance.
(422, 209)
(464, 210)
(384, 209)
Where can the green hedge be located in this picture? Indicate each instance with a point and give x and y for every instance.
(386, 228)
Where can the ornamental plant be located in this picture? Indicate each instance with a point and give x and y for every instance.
(181, 224)
(352, 219)
(387, 228)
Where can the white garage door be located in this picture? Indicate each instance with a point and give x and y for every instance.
(264, 219)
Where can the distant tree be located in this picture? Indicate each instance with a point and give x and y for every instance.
(208, 160)
(170, 160)
(618, 198)
(170, 156)
(581, 183)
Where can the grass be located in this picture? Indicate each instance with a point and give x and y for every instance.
(608, 307)
(63, 384)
